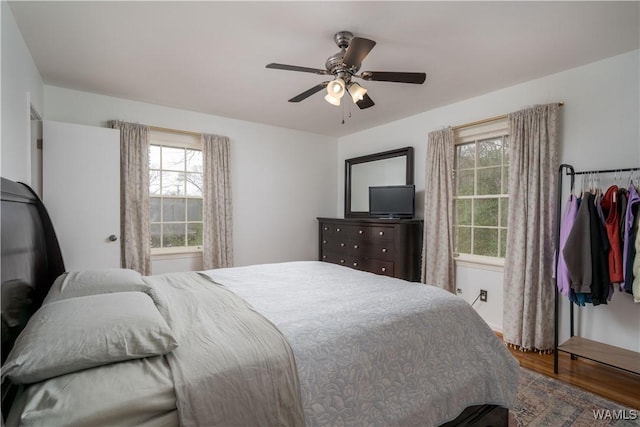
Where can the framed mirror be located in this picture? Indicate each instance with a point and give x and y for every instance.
(394, 167)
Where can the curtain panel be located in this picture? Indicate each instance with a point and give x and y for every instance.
(135, 240)
(217, 242)
(528, 285)
(437, 246)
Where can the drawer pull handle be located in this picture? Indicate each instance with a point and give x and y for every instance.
(355, 246)
(342, 245)
(381, 233)
(355, 264)
(360, 232)
(384, 269)
(326, 229)
(324, 242)
(384, 250)
(338, 229)
(341, 261)
(324, 257)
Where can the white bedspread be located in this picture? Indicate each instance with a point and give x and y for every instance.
(373, 350)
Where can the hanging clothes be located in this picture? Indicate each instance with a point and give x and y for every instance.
(636, 264)
(622, 211)
(630, 235)
(577, 249)
(563, 281)
(585, 253)
(609, 205)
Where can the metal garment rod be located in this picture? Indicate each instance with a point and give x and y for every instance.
(600, 171)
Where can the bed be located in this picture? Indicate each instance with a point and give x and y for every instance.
(299, 343)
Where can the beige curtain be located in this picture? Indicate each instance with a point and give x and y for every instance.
(528, 287)
(135, 241)
(217, 238)
(437, 246)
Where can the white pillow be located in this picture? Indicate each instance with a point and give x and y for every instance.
(93, 282)
(84, 332)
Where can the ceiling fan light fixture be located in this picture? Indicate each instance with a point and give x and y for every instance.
(336, 88)
(332, 99)
(357, 92)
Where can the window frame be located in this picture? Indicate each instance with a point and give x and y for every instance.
(475, 133)
(174, 140)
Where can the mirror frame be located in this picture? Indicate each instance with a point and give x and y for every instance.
(406, 151)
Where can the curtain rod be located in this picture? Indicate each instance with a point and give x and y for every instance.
(183, 132)
(491, 119)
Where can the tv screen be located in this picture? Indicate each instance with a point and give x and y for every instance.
(393, 201)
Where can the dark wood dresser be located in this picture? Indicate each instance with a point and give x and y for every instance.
(391, 247)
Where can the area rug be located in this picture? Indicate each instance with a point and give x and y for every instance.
(544, 401)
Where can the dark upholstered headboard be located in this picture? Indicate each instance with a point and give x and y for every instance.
(31, 261)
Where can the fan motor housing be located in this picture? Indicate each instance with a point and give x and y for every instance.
(343, 38)
(334, 63)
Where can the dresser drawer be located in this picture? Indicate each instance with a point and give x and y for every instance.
(377, 233)
(345, 231)
(364, 264)
(342, 259)
(357, 248)
(380, 267)
(383, 250)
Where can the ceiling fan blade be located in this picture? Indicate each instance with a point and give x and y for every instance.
(397, 77)
(358, 49)
(365, 102)
(296, 68)
(307, 93)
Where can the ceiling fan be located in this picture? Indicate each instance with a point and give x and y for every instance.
(343, 66)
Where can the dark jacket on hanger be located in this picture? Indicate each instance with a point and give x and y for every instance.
(577, 249)
(585, 253)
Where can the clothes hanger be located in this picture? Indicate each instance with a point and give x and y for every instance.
(573, 181)
(615, 193)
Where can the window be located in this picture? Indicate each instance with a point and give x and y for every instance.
(481, 202)
(175, 193)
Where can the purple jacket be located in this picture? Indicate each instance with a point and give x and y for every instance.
(633, 198)
(563, 281)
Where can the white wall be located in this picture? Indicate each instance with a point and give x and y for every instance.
(600, 130)
(21, 86)
(282, 179)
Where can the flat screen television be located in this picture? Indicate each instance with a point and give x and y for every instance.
(392, 201)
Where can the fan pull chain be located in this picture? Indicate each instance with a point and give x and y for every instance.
(343, 113)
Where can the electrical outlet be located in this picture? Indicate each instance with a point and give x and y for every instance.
(483, 295)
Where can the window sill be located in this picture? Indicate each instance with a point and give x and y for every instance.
(483, 263)
(177, 254)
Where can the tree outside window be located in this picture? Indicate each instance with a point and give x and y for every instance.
(481, 200)
(175, 190)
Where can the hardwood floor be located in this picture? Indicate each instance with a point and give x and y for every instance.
(610, 383)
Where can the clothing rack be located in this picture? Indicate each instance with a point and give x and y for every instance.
(606, 354)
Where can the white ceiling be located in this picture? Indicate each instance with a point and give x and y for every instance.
(210, 56)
